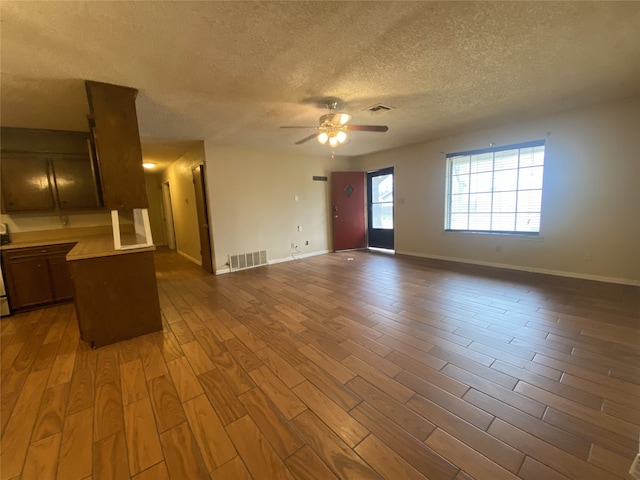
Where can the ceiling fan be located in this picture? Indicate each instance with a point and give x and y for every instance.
(333, 126)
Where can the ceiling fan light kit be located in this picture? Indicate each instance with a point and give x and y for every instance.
(333, 127)
(335, 138)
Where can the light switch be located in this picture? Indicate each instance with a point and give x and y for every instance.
(295, 198)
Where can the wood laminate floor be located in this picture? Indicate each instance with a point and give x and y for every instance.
(350, 365)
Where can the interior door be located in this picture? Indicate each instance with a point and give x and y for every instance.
(168, 216)
(380, 228)
(203, 218)
(348, 209)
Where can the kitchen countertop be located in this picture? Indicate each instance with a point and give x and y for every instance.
(36, 243)
(102, 246)
(91, 246)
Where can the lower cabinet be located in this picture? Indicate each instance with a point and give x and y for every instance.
(116, 297)
(37, 276)
(61, 281)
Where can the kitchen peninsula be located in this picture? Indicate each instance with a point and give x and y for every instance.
(112, 269)
(115, 291)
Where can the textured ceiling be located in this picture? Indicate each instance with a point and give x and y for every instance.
(233, 72)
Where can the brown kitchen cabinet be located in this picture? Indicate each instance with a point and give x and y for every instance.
(114, 125)
(116, 297)
(26, 183)
(61, 281)
(37, 276)
(47, 170)
(75, 181)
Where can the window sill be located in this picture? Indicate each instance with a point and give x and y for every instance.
(534, 237)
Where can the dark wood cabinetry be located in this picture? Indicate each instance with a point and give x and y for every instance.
(37, 276)
(116, 297)
(26, 183)
(61, 281)
(114, 124)
(28, 282)
(75, 181)
(47, 170)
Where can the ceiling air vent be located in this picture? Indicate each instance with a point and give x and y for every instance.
(379, 108)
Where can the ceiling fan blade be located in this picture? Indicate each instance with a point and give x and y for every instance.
(297, 126)
(306, 139)
(366, 128)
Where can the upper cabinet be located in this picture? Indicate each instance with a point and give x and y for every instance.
(114, 125)
(47, 170)
(26, 183)
(75, 182)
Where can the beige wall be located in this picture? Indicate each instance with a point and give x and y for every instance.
(183, 200)
(590, 224)
(153, 184)
(252, 200)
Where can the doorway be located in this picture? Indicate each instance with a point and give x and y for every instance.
(168, 216)
(347, 210)
(380, 229)
(203, 218)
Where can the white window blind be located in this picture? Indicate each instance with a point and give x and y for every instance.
(495, 190)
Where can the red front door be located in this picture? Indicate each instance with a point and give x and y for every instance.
(347, 209)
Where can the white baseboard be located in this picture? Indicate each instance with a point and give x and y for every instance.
(559, 273)
(190, 258)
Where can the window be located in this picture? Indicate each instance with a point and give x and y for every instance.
(495, 190)
(382, 201)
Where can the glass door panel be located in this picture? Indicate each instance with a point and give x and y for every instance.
(380, 208)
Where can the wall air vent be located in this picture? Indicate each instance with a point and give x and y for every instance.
(243, 261)
(379, 108)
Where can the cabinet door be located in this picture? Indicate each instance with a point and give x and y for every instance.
(28, 282)
(75, 182)
(117, 141)
(26, 185)
(61, 281)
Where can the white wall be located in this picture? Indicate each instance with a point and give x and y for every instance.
(590, 224)
(252, 202)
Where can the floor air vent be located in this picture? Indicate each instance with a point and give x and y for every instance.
(247, 260)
